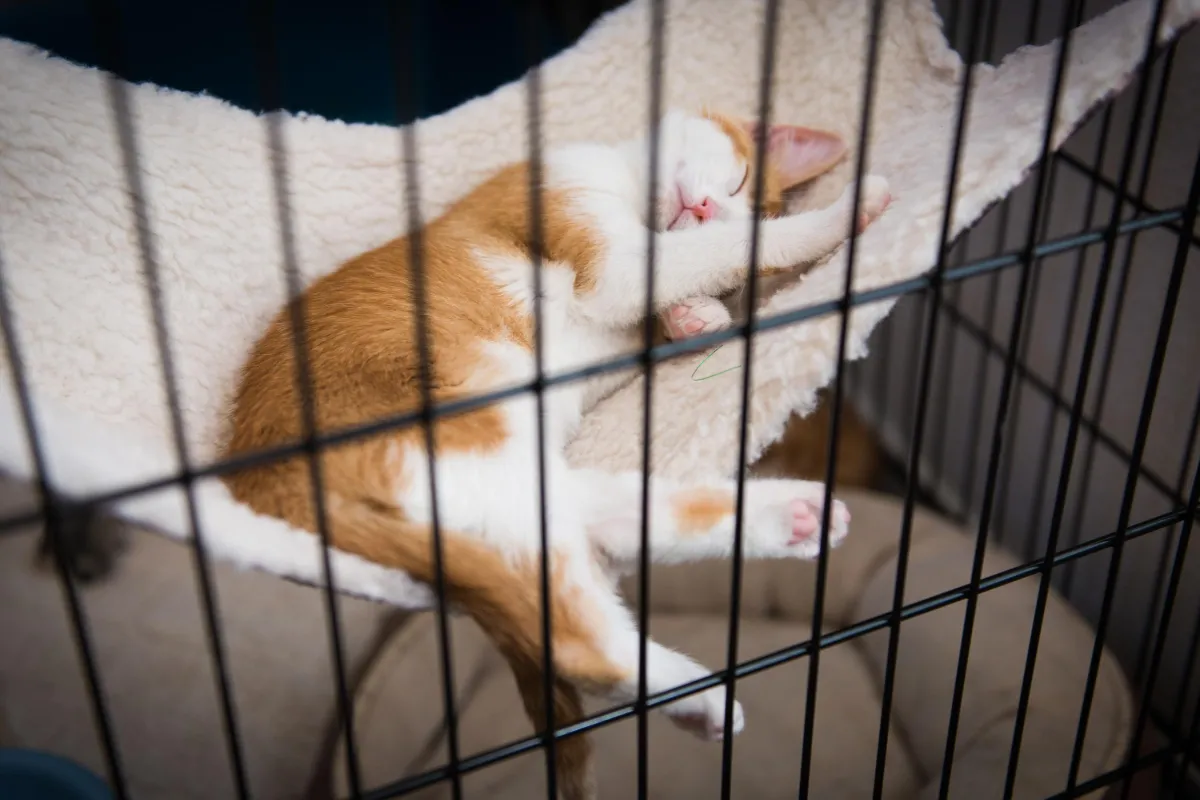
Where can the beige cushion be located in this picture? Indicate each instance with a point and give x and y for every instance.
(399, 703)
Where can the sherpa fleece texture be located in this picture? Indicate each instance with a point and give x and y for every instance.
(73, 273)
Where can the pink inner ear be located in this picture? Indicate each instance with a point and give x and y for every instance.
(801, 154)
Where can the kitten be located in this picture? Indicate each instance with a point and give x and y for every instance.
(816, 150)
(478, 306)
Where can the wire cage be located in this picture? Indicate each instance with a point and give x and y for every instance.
(1039, 384)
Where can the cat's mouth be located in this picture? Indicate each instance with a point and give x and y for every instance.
(684, 219)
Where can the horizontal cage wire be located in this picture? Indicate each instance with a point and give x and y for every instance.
(1036, 386)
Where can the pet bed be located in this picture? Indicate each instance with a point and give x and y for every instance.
(72, 269)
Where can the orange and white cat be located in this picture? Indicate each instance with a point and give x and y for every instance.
(360, 325)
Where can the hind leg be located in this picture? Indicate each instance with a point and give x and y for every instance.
(596, 599)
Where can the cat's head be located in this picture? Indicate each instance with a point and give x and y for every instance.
(706, 166)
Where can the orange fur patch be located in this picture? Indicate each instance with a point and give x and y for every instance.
(743, 144)
(701, 510)
(364, 366)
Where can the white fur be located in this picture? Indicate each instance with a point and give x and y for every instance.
(71, 266)
(495, 496)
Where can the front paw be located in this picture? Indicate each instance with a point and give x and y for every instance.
(873, 200)
(695, 317)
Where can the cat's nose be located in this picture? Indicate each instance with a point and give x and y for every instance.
(704, 210)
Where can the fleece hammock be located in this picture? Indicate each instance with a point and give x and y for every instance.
(82, 317)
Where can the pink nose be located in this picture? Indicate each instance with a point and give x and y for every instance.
(704, 210)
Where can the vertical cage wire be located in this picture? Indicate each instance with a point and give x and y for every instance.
(263, 25)
(1131, 481)
(1169, 597)
(1008, 458)
(1175, 726)
(1069, 445)
(836, 397)
(1188, 755)
(54, 512)
(1072, 12)
(107, 19)
(1067, 337)
(1100, 403)
(657, 32)
(535, 34)
(761, 138)
(406, 39)
(979, 380)
(980, 12)
(533, 110)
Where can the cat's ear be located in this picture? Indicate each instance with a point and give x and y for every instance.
(800, 154)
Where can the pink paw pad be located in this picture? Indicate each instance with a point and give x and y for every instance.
(682, 319)
(695, 316)
(865, 219)
(804, 521)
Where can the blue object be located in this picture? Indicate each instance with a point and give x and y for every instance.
(34, 775)
(335, 59)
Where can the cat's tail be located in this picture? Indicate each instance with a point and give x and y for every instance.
(502, 597)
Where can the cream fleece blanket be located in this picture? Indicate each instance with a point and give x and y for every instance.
(72, 270)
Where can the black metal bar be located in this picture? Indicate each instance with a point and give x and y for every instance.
(993, 299)
(949, 352)
(51, 513)
(835, 398)
(533, 99)
(1164, 557)
(1067, 337)
(343, 435)
(1159, 598)
(979, 380)
(108, 24)
(1069, 447)
(1139, 204)
(1000, 521)
(657, 21)
(1112, 776)
(1160, 641)
(1056, 519)
(1072, 13)
(408, 109)
(1008, 449)
(269, 89)
(1192, 746)
(1193, 648)
(1106, 363)
(761, 138)
(779, 657)
(977, 17)
(1093, 428)
(1143, 430)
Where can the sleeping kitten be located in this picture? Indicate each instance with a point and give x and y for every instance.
(818, 150)
(478, 306)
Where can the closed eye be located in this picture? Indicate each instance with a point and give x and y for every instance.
(740, 186)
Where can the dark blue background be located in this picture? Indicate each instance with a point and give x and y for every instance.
(335, 56)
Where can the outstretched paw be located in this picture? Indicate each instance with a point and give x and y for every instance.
(788, 517)
(704, 715)
(873, 201)
(694, 317)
